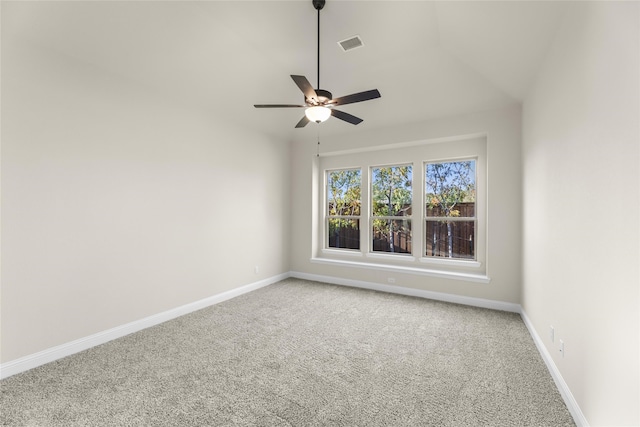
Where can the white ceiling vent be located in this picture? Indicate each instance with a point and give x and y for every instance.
(351, 43)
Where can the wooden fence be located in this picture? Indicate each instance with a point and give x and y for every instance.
(460, 244)
(345, 238)
(461, 240)
(401, 242)
(438, 240)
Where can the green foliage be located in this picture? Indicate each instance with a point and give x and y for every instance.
(391, 188)
(392, 194)
(343, 197)
(449, 184)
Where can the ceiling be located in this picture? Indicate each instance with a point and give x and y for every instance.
(428, 59)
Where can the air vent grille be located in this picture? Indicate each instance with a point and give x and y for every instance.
(351, 43)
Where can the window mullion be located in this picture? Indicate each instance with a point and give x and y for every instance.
(365, 211)
(418, 209)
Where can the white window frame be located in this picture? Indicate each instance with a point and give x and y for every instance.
(327, 217)
(417, 154)
(425, 218)
(372, 218)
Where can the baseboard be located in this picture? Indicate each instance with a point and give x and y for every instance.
(569, 400)
(51, 354)
(439, 296)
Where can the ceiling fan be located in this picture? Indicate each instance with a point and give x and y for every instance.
(319, 103)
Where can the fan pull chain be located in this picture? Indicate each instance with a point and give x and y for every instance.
(318, 152)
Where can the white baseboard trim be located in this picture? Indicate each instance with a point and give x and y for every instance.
(58, 352)
(569, 400)
(49, 355)
(439, 296)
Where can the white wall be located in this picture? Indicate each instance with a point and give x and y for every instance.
(118, 204)
(502, 128)
(581, 207)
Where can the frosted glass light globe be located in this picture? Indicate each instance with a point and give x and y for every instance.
(317, 114)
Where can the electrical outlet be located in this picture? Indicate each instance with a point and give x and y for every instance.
(561, 348)
(391, 280)
(256, 269)
(552, 333)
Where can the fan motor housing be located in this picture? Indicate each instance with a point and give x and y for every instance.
(324, 96)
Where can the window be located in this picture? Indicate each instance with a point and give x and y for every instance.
(343, 208)
(391, 202)
(417, 208)
(450, 202)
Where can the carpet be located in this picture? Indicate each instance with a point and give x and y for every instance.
(301, 353)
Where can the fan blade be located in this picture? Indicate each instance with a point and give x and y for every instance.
(306, 88)
(303, 122)
(356, 97)
(346, 117)
(278, 106)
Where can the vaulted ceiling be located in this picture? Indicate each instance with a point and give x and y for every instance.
(428, 59)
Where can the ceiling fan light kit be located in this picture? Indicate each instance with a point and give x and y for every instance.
(318, 103)
(317, 114)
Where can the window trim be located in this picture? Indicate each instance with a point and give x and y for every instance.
(442, 260)
(372, 217)
(327, 216)
(417, 154)
(446, 274)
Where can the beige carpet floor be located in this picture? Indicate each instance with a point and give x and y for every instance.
(301, 353)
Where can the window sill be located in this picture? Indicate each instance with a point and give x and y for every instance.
(451, 262)
(355, 253)
(455, 275)
(391, 257)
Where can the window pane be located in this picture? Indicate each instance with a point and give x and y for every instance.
(344, 233)
(391, 190)
(343, 192)
(450, 189)
(450, 239)
(392, 235)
